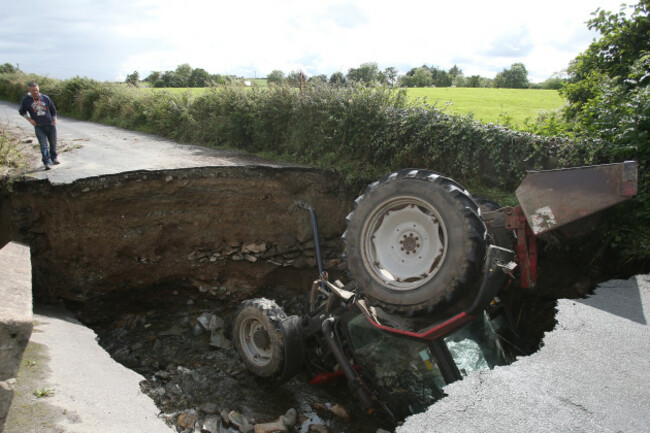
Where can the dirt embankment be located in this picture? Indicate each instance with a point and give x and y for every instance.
(222, 230)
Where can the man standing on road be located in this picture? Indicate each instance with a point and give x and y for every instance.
(39, 110)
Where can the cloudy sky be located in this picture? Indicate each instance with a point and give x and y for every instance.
(108, 39)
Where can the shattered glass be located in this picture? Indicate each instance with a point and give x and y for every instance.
(404, 368)
(476, 346)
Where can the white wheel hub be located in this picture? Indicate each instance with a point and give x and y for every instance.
(404, 243)
(255, 342)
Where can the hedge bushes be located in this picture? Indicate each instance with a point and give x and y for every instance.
(369, 130)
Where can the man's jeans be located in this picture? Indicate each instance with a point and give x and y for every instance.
(45, 134)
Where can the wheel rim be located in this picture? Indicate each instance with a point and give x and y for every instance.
(404, 243)
(255, 342)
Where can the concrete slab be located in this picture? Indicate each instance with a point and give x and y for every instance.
(69, 384)
(15, 317)
(592, 375)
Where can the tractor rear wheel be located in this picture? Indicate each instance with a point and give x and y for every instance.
(415, 242)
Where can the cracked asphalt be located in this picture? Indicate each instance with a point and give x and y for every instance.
(592, 375)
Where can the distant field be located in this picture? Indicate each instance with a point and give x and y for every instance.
(490, 105)
(178, 90)
(487, 105)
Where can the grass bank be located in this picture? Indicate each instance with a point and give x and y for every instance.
(11, 157)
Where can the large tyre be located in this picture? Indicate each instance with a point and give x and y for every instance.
(258, 336)
(415, 242)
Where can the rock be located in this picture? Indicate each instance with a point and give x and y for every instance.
(276, 426)
(217, 339)
(211, 424)
(205, 318)
(197, 330)
(224, 417)
(254, 248)
(240, 421)
(290, 418)
(320, 408)
(341, 412)
(318, 428)
(216, 322)
(209, 408)
(187, 418)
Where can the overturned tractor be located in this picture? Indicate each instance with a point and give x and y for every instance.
(428, 264)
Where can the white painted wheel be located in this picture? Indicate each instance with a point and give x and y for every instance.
(404, 243)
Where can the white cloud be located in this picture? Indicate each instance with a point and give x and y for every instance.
(111, 38)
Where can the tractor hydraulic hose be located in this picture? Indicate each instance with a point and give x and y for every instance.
(354, 380)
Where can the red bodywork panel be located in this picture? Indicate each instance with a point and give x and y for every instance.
(526, 248)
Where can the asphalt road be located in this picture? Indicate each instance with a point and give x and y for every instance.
(591, 376)
(89, 149)
(69, 384)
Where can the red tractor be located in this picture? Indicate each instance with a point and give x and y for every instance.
(428, 263)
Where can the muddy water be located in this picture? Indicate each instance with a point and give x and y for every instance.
(165, 342)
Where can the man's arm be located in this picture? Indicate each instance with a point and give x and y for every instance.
(52, 110)
(25, 113)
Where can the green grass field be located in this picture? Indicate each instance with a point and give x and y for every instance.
(485, 104)
(490, 105)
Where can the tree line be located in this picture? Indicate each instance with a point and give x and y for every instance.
(183, 76)
(514, 77)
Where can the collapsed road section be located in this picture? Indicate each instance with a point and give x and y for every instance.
(222, 230)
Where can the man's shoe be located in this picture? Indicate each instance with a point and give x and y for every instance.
(55, 162)
(47, 166)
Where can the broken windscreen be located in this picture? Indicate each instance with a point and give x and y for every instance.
(476, 346)
(402, 368)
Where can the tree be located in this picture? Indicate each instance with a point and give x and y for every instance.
(390, 75)
(514, 78)
(199, 78)
(623, 41)
(183, 74)
(554, 82)
(275, 77)
(455, 71)
(153, 77)
(337, 78)
(422, 78)
(367, 73)
(8, 68)
(217, 79)
(169, 79)
(473, 81)
(441, 78)
(322, 78)
(609, 84)
(297, 79)
(133, 79)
